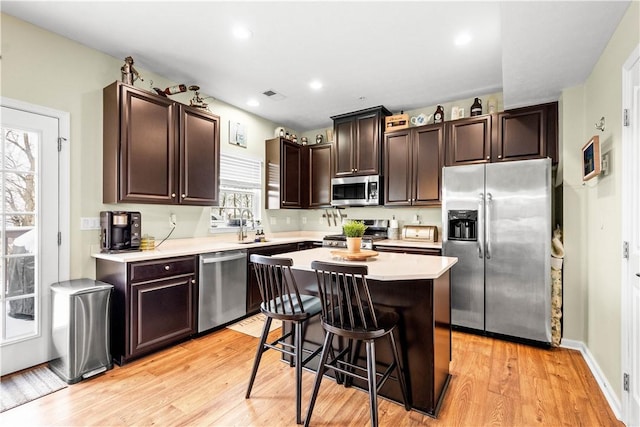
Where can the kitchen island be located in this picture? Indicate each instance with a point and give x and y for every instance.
(417, 287)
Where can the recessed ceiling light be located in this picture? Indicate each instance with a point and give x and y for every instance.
(462, 39)
(253, 103)
(242, 33)
(315, 85)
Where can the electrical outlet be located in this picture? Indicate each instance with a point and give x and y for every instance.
(272, 220)
(92, 223)
(304, 219)
(172, 220)
(288, 220)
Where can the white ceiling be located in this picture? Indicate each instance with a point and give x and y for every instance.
(397, 54)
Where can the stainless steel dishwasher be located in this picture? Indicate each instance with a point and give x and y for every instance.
(222, 286)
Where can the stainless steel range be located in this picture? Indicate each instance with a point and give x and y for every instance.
(376, 230)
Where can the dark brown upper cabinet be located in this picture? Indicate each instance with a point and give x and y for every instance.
(297, 176)
(358, 137)
(286, 174)
(518, 134)
(413, 164)
(468, 140)
(320, 175)
(526, 133)
(156, 150)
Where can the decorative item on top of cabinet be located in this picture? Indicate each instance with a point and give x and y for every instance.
(129, 73)
(476, 107)
(197, 101)
(415, 157)
(438, 116)
(358, 139)
(397, 122)
(158, 151)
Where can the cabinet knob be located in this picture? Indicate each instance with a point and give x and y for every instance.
(488, 157)
(355, 170)
(167, 268)
(499, 157)
(173, 194)
(184, 195)
(193, 280)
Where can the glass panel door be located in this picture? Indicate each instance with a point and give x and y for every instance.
(29, 230)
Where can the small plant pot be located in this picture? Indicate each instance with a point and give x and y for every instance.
(353, 244)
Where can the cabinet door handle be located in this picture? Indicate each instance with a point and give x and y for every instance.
(167, 268)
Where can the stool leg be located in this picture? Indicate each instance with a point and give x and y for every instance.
(261, 349)
(328, 339)
(298, 349)
(371, 375)
(400, 372)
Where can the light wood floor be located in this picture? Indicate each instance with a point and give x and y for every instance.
(203, 381)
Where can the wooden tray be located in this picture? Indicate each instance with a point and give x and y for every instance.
(354, 256)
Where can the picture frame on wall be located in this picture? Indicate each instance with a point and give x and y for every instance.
(237, 134)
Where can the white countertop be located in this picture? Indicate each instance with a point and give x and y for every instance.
(228, 242)
(385, 266)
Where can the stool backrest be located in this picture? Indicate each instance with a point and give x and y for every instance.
(345, 297)
(277, 285)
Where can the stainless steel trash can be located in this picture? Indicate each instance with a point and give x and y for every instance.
(80, 329)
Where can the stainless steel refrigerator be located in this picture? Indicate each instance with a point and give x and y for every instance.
(497, 221)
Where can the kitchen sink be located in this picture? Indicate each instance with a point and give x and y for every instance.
(248, 242)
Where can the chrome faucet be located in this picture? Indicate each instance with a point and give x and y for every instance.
(242, 233)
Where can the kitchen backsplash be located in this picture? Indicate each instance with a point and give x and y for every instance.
(313, 220)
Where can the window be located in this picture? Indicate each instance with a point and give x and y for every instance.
(240, 188)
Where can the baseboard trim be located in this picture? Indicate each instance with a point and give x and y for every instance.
(606, 388)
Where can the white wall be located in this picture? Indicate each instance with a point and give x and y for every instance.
(592, 212)
(42, 68)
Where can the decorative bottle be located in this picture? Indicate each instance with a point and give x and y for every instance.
(172, 90)
(438, 117)
(476, 107)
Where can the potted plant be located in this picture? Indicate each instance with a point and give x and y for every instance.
(354, 230)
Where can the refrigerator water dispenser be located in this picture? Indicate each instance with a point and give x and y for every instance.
(463, 225)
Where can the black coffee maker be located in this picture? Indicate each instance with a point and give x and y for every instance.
(120, 231)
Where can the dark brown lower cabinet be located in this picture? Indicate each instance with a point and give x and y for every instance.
(154, 304)
(161, 311)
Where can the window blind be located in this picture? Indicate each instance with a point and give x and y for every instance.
(240, 172)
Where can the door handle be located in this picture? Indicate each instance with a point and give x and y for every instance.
(638, 274)
(480, 230)
(488, 223)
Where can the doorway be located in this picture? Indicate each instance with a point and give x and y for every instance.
(631, 238)
(34, 206)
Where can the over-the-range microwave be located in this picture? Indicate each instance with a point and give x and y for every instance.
(363, 190)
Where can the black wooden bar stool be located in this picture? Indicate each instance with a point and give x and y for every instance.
(281, 300)
(347, 311)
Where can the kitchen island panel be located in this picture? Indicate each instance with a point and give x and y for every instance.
(423, 334)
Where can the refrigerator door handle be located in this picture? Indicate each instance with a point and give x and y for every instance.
(488, 225)
(480, 226)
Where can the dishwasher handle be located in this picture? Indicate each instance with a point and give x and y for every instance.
(213, 260)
